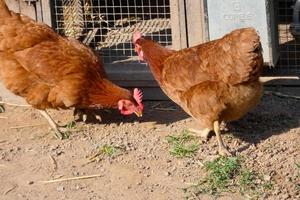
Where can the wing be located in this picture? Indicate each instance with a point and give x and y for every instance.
(185, 69)
(51, 61)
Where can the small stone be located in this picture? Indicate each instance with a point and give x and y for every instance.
(60, 188)
(30, 182)
(173, 168)
(276, 191)
(167, 173)
(54, 147)
(267, 177)
(259, 154)
(286, 196)
(77, 187)
(76, 173)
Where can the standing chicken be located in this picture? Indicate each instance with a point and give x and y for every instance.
(51, 71)
(213, 82)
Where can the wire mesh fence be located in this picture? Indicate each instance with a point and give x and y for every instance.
(107, 26)
(289, 61)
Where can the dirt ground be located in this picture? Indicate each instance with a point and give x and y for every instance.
(268, 138)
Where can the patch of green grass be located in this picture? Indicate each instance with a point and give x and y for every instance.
(247, 180)
(103, 151)
(227, 174)
(252, 184)
(183, 145)
(70, 127)
(221, 171)
(108, 150)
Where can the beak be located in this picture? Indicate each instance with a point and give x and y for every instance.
(138, 113)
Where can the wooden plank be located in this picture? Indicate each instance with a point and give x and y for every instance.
(28, 10)
(39, 11)
(196, 25)
(280, 80)
(46, 10)
(179, 37)
(13, 5)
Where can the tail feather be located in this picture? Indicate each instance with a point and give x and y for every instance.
(4, 11)
(244, 56)
(252, 53)
(250, 40)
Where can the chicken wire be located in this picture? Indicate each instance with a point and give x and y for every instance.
(289, 61)
(107, 26)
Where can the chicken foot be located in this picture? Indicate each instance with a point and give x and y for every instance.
(222, 148)
(58, 133)
(82, 114)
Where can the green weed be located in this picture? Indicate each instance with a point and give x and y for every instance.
(183, 145)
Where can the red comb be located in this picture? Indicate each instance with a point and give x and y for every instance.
(138, 95)
(137, 35)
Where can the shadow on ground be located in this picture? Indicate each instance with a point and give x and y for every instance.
(161, 112)
(273, 116)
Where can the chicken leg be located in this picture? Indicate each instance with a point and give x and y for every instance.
(222, 148)
(58, 133)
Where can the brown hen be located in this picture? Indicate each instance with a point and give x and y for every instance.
(213, 82)
(51, 71)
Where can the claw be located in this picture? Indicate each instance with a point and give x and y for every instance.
(98, 117)
(84, 117)
(224, 152)
(83, 114)
(79, 114)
